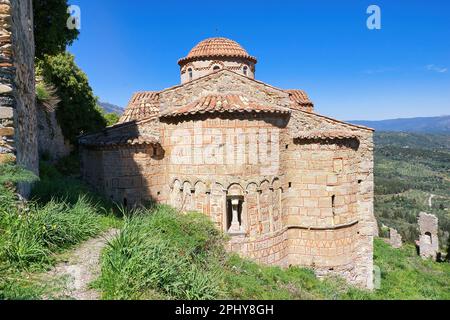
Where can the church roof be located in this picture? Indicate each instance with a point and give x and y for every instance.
(300, 100)
(107, 140)
(217, 48)
(142, 105)
(224, 104)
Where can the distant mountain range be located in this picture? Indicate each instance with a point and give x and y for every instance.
(111, 108)
(425, 125)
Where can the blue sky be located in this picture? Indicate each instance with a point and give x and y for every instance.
(323, 47)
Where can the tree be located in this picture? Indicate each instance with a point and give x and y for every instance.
(77, 112)
(111, 118)
(51, 34)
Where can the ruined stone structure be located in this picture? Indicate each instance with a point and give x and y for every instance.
(395, 239)
(290, 186)
(51, 141)
(18, 124)
(428, 241)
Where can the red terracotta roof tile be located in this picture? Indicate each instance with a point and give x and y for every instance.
(142, 105)
(300, 100)
(105, 140)
(222, 104)
(217, 47)
(326, 134)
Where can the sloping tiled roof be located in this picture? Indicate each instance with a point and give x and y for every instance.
(222, 104)
(217, 47)
(300, 100)
(107, 140)
(326, 134)
(142, 105)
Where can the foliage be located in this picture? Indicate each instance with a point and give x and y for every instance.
(10, 173)
(110, 118)
(46, 96)
(50, 27)
(163, 253)
(77, 112)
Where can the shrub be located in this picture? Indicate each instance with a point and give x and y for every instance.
(77, 112)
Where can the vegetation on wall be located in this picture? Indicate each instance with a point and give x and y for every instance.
(77, 112)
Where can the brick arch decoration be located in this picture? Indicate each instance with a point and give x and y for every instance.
(215, 63)
(187, 66)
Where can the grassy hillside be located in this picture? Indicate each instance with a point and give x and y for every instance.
(162, 254)
(409, 169)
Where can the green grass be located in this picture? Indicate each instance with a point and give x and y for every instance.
(33, 233)
(404, 275)
(165, 254)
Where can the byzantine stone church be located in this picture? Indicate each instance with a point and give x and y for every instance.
(289, 186)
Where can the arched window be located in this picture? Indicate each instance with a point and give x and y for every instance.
(190, 73)
(216, 68)
(245, 70)
(428, 238)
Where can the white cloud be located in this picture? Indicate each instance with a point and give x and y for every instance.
(434, 68)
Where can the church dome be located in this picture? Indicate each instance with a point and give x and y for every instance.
(217, 48)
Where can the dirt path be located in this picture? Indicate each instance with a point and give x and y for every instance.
(81, 268)
(430, 200)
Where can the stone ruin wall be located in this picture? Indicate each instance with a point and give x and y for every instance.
(428, 239)
(18, 124)
(51, 141)
(395, 239)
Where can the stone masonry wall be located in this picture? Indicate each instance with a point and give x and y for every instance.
(18, 124)
(51, 140)
(330, 199)
(201, 68)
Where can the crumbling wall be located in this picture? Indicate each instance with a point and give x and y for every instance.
(395, 239)
(52, 143)
(18, 124)
(428, 240)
